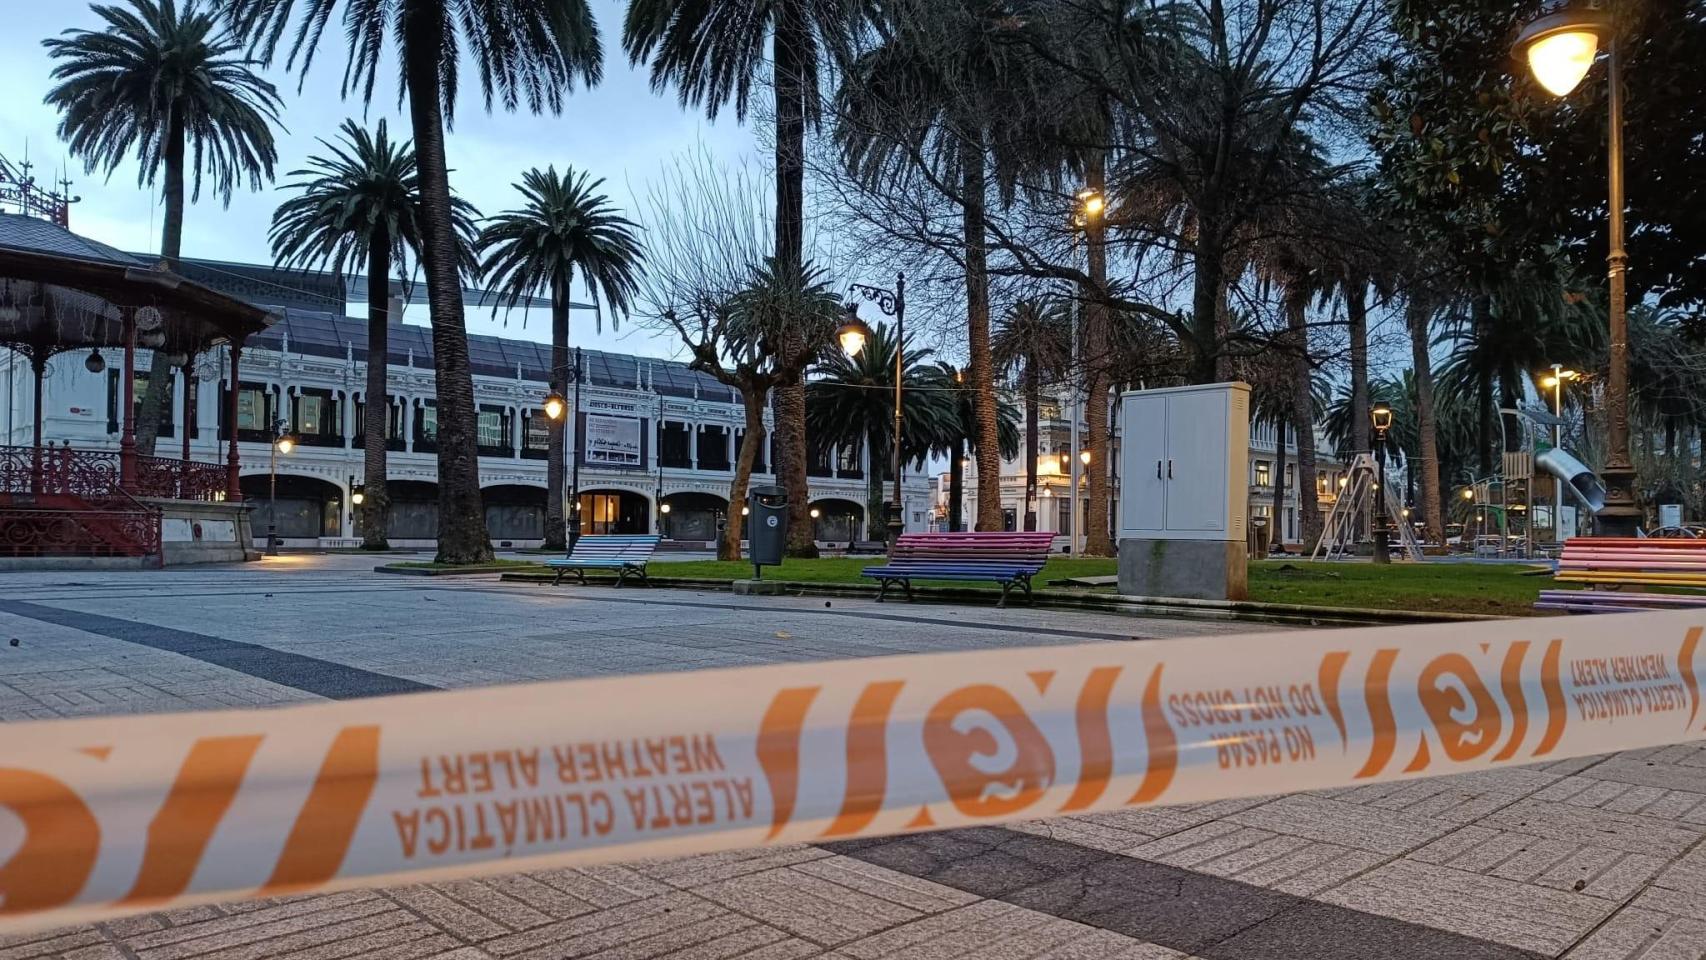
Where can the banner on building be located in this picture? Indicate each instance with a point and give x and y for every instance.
(612, 441)
(115, 815)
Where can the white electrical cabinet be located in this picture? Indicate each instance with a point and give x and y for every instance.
(1184, 462)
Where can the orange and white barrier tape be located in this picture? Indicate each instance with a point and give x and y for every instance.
(107, 816)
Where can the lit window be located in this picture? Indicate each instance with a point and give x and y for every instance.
(1264, 474)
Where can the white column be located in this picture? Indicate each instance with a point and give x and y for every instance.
(515, 432)
(408, 424)
(693, 444)
(729, 446)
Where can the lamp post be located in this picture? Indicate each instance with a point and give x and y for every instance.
(282, 442)
(1560, 49)
(852, 334)
(357, 496)
(1380, 416)
(1086, 216)
(556, 408)
(1554, 381)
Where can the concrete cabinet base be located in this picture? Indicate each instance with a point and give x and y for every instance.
(1196, 569)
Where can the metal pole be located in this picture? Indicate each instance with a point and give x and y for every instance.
(1557, 444)
(1072, 412)
(127, 406)
(575, 458)
(1621, 516)
(657, 453)
(189, 401)
(897, 511)
(1382, 552)
(272, 496)
(38, 366)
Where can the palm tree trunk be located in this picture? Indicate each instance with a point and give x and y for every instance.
(752, 400)
(956, 486)
(1207, 291)
(976, 187)
(1033, 399)
(1356, 308)
(1303, 422)
(462, 535)
(376, 501)
(1419, 312)
(159, 389)
(556, 537)
(1093, 354)
(1277, 522)
(789, 451)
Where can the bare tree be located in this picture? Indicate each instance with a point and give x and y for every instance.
(712, 283)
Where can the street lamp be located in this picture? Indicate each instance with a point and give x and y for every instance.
(554, 406)
(1554, 382)
(853, 334)
(1380, 416)
(1560, 48)
(282, 442)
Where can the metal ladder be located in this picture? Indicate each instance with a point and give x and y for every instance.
(1344, 521)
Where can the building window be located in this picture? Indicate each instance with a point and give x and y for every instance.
(674, 447)
(492, 431)
(849, 462)
(140, 387)
(1321, 484)
(426, 427)
(255, 413)
(1264, 474)
(1291, 475)
(315, 423)
(535, 435)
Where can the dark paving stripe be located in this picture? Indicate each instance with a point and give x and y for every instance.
(947, 620)
(323, 678)
(1197, 914)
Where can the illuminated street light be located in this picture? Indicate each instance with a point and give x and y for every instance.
(555, 406)
(853, 333)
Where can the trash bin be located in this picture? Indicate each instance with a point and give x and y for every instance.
(1259, 537)
(767, 527)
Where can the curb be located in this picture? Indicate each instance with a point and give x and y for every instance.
(403, 571)
(1245, 610)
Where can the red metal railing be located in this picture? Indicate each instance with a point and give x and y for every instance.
(70, 503)
(179, 479)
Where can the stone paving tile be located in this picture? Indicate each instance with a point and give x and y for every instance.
(910, 892)
(49, 943)
(1098, 831)
(1489, 908)
(688, 872)
(1346, 824)
(1620, 831)
(606, 930)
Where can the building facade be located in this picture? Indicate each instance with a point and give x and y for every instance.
(1054, 478)
(647, 434)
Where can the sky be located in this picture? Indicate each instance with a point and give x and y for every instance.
(619, 131)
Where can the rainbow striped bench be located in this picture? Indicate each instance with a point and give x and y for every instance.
(1614, 569)
(1009, 559)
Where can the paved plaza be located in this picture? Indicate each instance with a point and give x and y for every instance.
(1594, 859)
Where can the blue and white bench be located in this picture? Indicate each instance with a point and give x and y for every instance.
(1008, 559)
(627, 554)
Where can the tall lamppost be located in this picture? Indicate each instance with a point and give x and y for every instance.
(282, 442)
(1560, 48)
(1554, 381)
(1380, 416)
(1086, 216)
(852, 334)
(556, 408)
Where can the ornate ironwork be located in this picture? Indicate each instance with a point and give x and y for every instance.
(888, 301)
(19, 191)
(171, 479)
(46, 532)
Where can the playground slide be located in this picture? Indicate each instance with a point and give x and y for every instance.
(1583, 484)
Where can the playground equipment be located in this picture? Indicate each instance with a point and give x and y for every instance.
(1346, 520)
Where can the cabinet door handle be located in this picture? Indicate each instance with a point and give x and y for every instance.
(1169, 469)
(1157, 469)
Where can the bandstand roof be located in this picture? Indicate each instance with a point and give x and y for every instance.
(61, 291)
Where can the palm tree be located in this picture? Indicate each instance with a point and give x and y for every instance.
(1033, 344)
(713, 53)
(851, 404)
(958, 430)
(156, 82)
(946, 90)
(524, 51)
(563, 226)
(358, 206)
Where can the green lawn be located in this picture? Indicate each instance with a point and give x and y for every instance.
(1497, 589)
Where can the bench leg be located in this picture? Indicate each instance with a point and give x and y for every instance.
(908, 585)
(581, 574)
(621, 575)
(1030, 600)
(1006, 587)
(559, 580)
(883, 588)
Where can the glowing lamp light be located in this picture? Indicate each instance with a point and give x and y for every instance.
(853, 333)
(1468, 494)
(744, 511)
(555, 406)
(285, 444)
(358, 494)
(1381, 416)
(816, 513)
(1560, 47)
(1084, 457)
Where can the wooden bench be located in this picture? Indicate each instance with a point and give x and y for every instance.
(627, 554)
(1009, 559)
(1611, 566)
